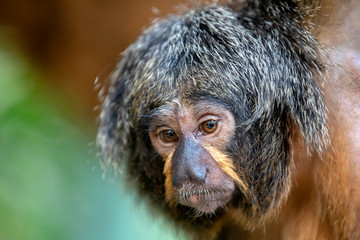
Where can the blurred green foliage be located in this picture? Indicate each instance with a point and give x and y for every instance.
(51, 187)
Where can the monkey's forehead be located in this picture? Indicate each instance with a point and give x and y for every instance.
(178, 107)
(205, 52)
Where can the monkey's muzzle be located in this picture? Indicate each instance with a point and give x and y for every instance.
(202, 199)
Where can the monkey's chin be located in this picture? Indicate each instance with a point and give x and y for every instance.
(206, 201)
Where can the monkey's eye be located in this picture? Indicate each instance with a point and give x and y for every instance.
(209, 126)
(168, 136)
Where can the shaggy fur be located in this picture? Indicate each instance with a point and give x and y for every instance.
(257, 58)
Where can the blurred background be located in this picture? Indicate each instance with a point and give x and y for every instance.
(51, 183)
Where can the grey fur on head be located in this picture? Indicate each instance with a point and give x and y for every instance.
(258, 61)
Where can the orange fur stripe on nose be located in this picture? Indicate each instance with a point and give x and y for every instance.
(228, 167)
(168, 184)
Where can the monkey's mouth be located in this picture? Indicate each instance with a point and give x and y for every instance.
(204, 200)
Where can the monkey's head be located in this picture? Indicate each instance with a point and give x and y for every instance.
(201, 109)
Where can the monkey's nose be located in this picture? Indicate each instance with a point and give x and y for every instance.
(197, 172)
(189, 172)
(189, 163)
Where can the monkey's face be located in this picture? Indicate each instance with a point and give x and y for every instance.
(218, 95)
(192, 141)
